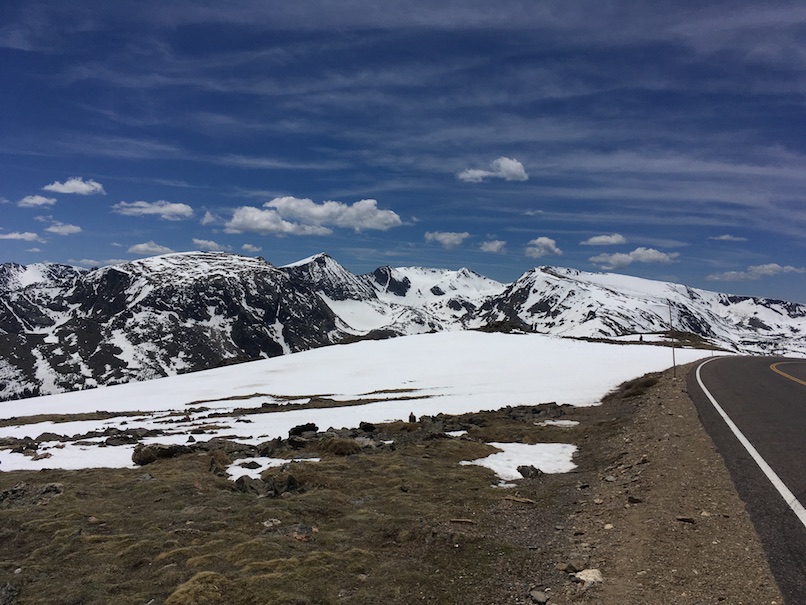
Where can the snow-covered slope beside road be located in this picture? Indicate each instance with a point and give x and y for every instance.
(449, 372)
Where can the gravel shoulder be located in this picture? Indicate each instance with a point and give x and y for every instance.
(662, 520)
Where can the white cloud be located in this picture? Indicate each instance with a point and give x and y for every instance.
(447, 239)
(169, 211)
(248, 219)
(36, 201)
(149, 248)
(251, 248)
(77, 185)
(359, 216)
(209, 245)
(495, 246)
(295, 216)
(34, 250)
(505, 168)
(754, 272)
(542, 246)
(605, 240)
(639, 255)
(729, 238)
(27, 236)
(63, 228)
(209, 218)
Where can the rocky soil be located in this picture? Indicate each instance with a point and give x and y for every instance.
(662, 521)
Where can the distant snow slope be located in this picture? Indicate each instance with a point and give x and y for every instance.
(450, 372)
(64, 329)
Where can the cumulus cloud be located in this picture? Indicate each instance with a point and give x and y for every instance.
(209, 218)
(728, 238)
(209, 245)
(91, 262)
(495, 246)
(149, 248)
(36, 201)
(268, 222)
(26, 237)
(754, 272)
(360, 216)
(169, 211)
(63, 228)
(508, 169)
(447, 239)
(542, 246)
(76, 184)
(295, 216)
(605, 240)
(251, 248)
(639, 255)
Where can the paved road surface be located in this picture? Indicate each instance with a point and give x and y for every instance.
(766, 399)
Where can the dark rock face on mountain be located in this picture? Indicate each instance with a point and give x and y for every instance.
(63, 328)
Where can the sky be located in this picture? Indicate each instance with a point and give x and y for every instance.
(665, 140)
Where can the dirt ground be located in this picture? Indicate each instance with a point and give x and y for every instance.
(662, 521)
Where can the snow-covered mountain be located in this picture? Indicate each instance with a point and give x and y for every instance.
(63, 328)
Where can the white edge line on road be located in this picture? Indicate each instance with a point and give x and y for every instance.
(788, 496)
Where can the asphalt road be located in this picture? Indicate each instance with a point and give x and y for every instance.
(765, 398)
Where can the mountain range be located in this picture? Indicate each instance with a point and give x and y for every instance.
(63, 328)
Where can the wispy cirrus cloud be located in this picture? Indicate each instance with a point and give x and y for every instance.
(754, 272)
(169, 211)
(77, 185)
(728, 238)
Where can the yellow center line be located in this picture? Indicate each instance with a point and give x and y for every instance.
(774, 367)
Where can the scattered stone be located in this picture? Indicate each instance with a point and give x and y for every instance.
(250, 465)
(538, 596)
(588, 577)
(529, 471)
(367, 427)
(8, 594)
(302, 428)
(610, 478)
(689, 520)
(146, 454)
(304, 533)
(269, 523)
(608, 526)
(634, 500)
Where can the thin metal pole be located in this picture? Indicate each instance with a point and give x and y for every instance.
(671, 335)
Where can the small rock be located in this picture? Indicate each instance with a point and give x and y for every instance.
(302, 428)
(529, 471)
(634, 500)
(608, 526)
(588, 577)
(689, 520)
(610, 478)
(538, 596)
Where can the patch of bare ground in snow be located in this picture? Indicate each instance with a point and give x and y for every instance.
(660, 518)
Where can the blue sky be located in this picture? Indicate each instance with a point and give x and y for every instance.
(665, 139)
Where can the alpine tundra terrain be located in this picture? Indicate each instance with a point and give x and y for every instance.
(63, 328)
(455, 465)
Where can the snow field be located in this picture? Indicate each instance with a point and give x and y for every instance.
(447, 372)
